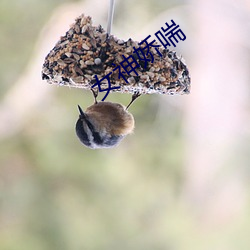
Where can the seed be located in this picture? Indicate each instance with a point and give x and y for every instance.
(69, 60)
(78, 70)
(61, 62)
(64, 43)
(68, 54)
(98, 61)
(84, 28)
(77, 29)
(85, 46)
(150, 74)
(120, 42)
(145, 77)
(88, 62)
(86, 51)
(77, 57)
(103, 37)
(131, 80)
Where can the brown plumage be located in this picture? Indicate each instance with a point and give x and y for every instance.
(110, 117)
(104, 124)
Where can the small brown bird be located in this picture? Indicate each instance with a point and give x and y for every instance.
(104, 124)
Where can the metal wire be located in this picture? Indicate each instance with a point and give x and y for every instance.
(110, 15)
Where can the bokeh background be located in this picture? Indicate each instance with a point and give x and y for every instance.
(180, 182)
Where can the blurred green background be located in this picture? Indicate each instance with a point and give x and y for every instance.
(181, 181)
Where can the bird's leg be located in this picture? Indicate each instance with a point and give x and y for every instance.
(134, 97)
(95, 94)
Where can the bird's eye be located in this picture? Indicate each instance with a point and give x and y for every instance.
(88, 57)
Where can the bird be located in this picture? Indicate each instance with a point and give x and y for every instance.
(104, 124)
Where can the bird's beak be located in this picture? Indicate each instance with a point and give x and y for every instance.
(82, 115)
